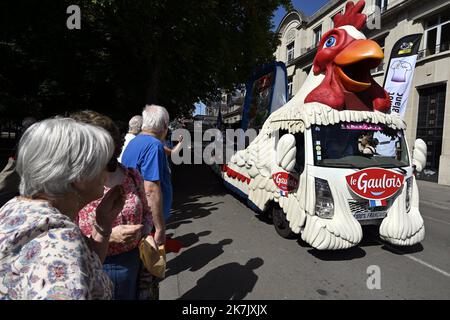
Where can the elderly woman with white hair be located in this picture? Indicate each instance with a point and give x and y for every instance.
(43, 254)
(134, 127)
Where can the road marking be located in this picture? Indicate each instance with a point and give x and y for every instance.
(426, 264)
(437, 220)
(429, 265)
(433, 204)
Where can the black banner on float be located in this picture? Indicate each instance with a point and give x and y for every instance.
(400, 72)
(397, 83)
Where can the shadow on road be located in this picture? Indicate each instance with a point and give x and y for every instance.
(338, 255)
(190, 239)
(370, 238)
(231, 281)
(196, 180)
(403, 250)
(172, 224)
(190, 208)
(196, 258)
(265, 218)
(191, 184)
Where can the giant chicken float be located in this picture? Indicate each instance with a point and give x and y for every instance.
(315, 166)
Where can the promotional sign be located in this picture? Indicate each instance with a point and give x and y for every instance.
(398, 83)
(266, 92)
(375, 184)
(361, 126)
(285, 182)
(260, 104)
(400, 73)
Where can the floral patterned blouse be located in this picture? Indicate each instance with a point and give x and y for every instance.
(135, 211)
(44, 255)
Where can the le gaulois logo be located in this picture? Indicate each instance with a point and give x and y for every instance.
(285, 181)
(375, 183)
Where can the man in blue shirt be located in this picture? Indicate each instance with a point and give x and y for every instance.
(146, 153)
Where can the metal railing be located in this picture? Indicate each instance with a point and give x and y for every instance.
(433, 50)
(389, 5)
(290, 57)
(305, 50)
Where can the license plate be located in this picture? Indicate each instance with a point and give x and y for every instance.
(370, 215)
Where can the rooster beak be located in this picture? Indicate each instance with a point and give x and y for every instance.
(353, 64)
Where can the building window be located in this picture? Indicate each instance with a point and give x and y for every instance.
(334, 16)
(317, 35)
(290, 51)
(290, 87)
(382, 4)
(430, 126)
(437, 34)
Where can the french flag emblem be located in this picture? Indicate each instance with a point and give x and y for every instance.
(284, 193)
(377, 203)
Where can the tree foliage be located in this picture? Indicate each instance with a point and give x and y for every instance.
(128, 53)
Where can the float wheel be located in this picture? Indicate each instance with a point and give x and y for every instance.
(281, 224)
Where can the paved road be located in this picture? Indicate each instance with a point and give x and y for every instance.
(233, 253)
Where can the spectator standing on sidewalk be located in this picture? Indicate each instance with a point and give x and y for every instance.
(134, 127)
(43, 254)
(146, 153)
(122, 263)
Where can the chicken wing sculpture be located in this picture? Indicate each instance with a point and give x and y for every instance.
(338, 90)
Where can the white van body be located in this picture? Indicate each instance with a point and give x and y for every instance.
(253, 173)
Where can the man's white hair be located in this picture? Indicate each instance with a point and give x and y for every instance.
(135, 124)
(155, 118)
(54, 153)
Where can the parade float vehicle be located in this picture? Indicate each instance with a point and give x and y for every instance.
(309, 167)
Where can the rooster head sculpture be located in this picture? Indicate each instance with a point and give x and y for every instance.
(345, 57)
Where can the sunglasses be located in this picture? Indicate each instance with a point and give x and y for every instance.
(112, 165)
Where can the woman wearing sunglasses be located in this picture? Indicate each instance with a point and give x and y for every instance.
(43, 254)
(132, 223)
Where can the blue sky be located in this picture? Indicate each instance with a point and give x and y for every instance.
(307, 6)
(200, 108)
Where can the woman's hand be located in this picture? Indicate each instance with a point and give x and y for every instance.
(126, 234)
(160, 237)
(110, 206)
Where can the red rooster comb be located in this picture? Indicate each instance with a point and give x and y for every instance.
(352, 16)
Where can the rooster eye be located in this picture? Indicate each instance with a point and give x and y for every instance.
(331, 42)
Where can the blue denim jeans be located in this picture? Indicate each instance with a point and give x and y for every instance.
(123, 270)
